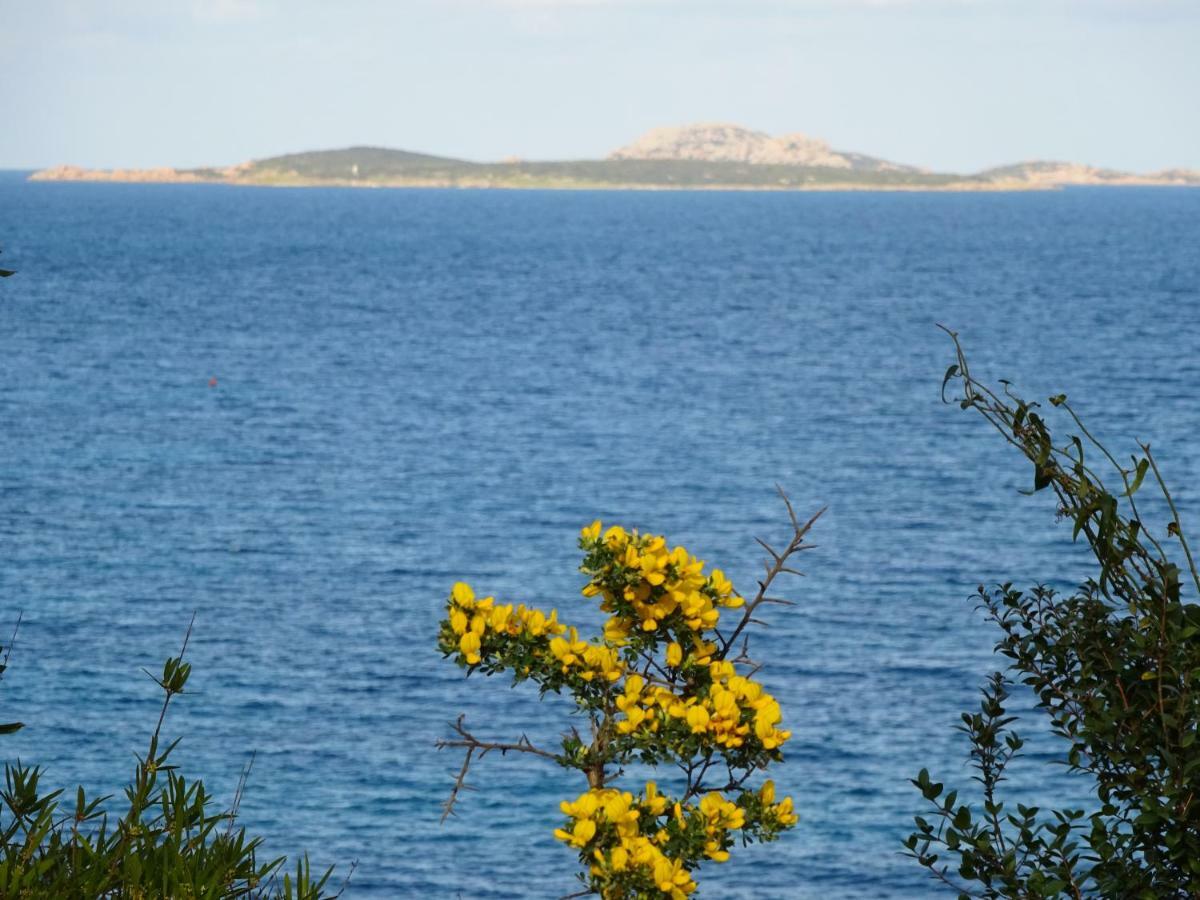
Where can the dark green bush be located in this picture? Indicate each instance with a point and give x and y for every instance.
(170, 841)
(1116, 669)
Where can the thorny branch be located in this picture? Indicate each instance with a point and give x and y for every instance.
(775, 566)
(473, 745)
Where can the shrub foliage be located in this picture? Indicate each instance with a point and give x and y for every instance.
(664, 685)
(1115, 666)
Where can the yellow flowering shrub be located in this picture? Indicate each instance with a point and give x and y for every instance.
(663, 684)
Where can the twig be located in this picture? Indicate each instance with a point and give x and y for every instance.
(346, 880)
(774, 567)
(1175, 515)
(473, 744)
(239, 792)
(459, 784)
(11, 642)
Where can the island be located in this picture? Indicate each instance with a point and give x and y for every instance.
(692, 157)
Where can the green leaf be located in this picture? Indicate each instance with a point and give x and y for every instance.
(1139, 474)
(1041, 477)
(950, 373)
(11, 727)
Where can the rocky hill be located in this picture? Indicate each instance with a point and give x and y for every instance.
(1051, 174)
(719, 142)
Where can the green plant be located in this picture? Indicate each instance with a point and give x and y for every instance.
(1115, 667)
(661, 686)
(170, 841)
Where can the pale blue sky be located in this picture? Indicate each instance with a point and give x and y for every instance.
(951, 84)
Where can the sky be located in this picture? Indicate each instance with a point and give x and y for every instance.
(954, 85)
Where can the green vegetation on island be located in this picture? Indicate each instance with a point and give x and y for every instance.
(371, 166)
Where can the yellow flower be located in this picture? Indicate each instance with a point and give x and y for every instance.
(535, 622)
(591, 532)
(560, 647)
(697, 718)
(616, 537)
(619, 859)
(672, 879)
(469, 645)
(768, 710)
(458, 621)
(499, 617)
(619, 810)
(724, 702)
(768, 734)
(721, 814)
(722, 670)
(462, 594)
(704, 651)
(584, 831)
(654, 801)
(783, 812)
(634, 716)
(768, 792)
(674, 654)
(720, 583)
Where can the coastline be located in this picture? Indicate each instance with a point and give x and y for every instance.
(158, 176)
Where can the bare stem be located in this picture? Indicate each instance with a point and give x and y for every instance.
(1174, 514)
(474, 745)
(12, 641)
(775, 566)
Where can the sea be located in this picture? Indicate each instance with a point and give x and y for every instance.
(302, 414)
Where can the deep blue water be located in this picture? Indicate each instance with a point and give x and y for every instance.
(419, 386)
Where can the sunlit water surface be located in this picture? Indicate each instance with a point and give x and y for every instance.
(414, 387)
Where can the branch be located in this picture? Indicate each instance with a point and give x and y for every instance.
(11, 642)
(775, 566)
(460, 783)
(240, 792)
(473, 744)
(1175, 514)
(162, 713)
(1117, 544)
